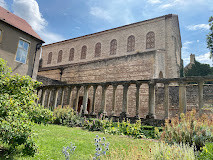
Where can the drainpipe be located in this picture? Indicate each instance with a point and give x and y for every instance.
(38, 46)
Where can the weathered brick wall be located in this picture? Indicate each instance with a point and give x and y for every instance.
(191, 95)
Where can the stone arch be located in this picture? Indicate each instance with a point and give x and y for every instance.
(98, 49)
(71, 56)
(113, 46)
(60, 53)
(150, 40)
(84, 52)
(161, 74)
(80, 102)
(131, 43)
(49, 59)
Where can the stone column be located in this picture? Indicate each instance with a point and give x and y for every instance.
(49, 97)
(43, 95)
(93, 100)
(124, 112)
(85, 100)
(69, 96)
(182, 98)
(114, 98)
(55, 98)
(137, 95)
(200, 95)
(62, 96)
(103, 100)
(77, 97)
(166, 100)
(151, 114)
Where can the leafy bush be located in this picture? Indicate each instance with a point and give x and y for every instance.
(67, 116)
(162, 151)
(18, 110)
(124, 128)
(207, 152)
(189, 128)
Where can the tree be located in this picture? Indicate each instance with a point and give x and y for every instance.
(199, 69)
(210, 37)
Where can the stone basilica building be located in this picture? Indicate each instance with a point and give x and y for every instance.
(144, 50)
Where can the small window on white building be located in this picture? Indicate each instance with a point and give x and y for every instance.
(22, 51)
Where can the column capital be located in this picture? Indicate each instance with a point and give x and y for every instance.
(104, 86)
(138, 84)
(95, 87)
(86, 86)
(114, 85)
(126, 84)
(151, 82)
(200, 82)
(78, 87)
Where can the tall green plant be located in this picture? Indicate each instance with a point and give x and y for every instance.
(189, 129)
(18, 110)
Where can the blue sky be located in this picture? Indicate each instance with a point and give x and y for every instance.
(56, 20)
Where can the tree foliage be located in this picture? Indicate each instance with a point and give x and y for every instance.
(199, 69)
(18, 110)
(210, 37)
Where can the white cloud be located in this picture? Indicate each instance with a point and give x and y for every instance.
(185, 4)
(100, 13)
(29, 10)
(198, 27)
(204, 58)
(3, 4)
(186, 44)
(154, 1)
(115, 12)
(50, 37)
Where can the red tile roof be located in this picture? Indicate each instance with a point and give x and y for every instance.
(17, 22)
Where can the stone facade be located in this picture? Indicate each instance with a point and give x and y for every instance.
(144, 50)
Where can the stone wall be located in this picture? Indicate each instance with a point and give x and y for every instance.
(166, 40)
(191, 95)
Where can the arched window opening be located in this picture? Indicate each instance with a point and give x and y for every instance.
(84, 52)
(131, 43)
(150, 40)
(80, 103)
(49, 59)
(71, 56)
(60, 56)
(113, 47)
(98, 49)
(160, 74)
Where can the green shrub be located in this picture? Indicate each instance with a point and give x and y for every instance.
(18, 110)
(189, 128)
(163, 151)
(207, 152)
(67, 116)
(123, 128)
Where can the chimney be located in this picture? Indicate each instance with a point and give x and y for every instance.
(192, 58)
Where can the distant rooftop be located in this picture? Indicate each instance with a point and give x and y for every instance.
(17, 22)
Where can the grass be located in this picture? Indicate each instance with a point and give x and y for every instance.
(50, 140)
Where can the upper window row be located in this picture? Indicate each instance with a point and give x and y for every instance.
(150, 43)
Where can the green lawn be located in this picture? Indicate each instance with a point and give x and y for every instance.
(50, 140)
